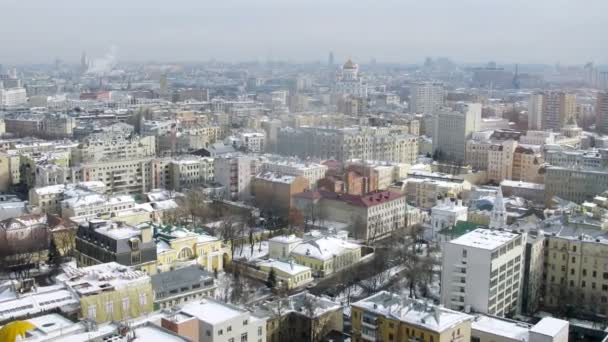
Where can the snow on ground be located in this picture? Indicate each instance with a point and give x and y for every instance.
(258, 252)
(256, 290)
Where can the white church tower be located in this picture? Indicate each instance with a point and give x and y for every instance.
(498, 217)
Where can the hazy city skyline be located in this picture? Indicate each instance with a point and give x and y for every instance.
(539, 31)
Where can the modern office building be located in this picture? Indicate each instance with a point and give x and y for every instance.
(482, 272)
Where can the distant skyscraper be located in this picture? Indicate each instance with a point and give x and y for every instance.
(558, 108)
(601, 113)
(535, 111)
(84, 62)
(164, 87)
(426, 98)
(330, 60)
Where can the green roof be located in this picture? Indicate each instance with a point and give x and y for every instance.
(461, 228)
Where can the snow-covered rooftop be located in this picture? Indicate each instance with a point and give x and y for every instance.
(324, 248)
(513, 330)
(415, 312)
(286, 239)
(549, 326)
(489, 239)
(211, 311)
(97, 278)
(290, 268)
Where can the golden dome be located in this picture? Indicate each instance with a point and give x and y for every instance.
(349, 65)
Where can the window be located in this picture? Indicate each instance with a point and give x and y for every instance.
(244, 337)
(220, 332)
(110, 308)
(229, 328)
(125, 304)
(573, 259)
(92, 311)
(390, 337)
(245, 322)
(142, 299)
(464, 253)
(259, 331)
(208, 332)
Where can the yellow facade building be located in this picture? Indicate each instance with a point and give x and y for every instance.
(175, 245)
(109, 292)
(389, 317)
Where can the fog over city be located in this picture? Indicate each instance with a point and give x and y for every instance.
(404, 31)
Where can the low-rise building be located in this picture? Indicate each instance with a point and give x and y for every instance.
(109, 292)
(182, 285)
(447, 213)
(493, 329)
(301, 317)
(326, 255)
(389, 317)
(99, 241)
(209, 320)
(176, 246)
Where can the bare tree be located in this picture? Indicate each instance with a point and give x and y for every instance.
(309, 306)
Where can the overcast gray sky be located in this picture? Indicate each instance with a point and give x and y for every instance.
(537, 31)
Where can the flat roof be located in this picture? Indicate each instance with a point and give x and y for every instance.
(211, 311)
(501, 327)
(549, 326)
(489, 239)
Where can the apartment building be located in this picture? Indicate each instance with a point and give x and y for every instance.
(389, 317)
(313, 172)
(48, 199)
(273, 192)
(500, 161)
(128, 176)
(367, 143)
(482, 272)
(11, 97)
(95, 205)
(424, 190)
(190, 171)
(574, 184)
(234, 172)
(111, 146)
(558, 107)
(371, 216)
(297, 321)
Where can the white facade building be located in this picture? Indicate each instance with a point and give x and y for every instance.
(482, 272)
(13, 97)
(349, 82)
(221, 322)
(447, 213)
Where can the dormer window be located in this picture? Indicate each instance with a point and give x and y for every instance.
(134, 243)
